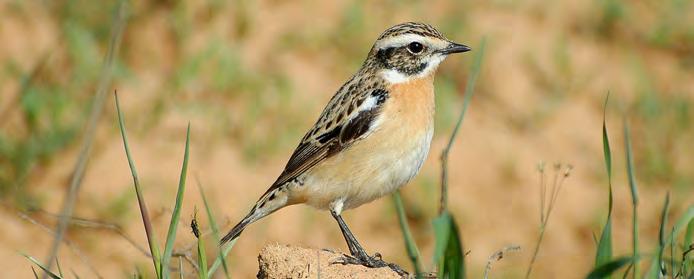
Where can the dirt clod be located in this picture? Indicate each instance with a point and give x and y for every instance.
(283, 261)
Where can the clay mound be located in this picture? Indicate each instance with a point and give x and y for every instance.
(283, 261)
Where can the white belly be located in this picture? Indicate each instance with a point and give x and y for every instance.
(366, 172)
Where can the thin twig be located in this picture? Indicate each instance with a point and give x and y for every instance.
(497, 256)
(83, 258)
(547, 206)
(543, 190)
(97, 107)
(86, 223)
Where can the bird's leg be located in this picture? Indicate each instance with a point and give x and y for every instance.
(355, 248)
(358, 254)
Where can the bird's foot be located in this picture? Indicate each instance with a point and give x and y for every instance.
(373, 262)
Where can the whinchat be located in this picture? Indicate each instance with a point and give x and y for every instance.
(371, 138)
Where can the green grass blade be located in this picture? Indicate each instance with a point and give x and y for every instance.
(146, 221)
(34, 272)
(220, 260)
(689, 235)
(448, 251)
(441, 226)
(657, 261)
(604, 251)
(607, 152)
(36, 262)
(215, 231)
(410, 244)
(634, 198)
(606, 269)
(202, 256)
(175, 217)
(202, 259)
(469, 91)
(688, 242)
(60, 269)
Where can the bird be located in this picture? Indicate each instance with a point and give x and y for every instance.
(371, 138)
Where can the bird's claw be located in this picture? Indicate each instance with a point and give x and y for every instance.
(372, 262)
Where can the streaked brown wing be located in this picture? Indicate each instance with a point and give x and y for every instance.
(313, 150)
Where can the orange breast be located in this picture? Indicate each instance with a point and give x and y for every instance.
(411, 104)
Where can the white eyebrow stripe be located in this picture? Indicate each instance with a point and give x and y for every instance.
(400, 40)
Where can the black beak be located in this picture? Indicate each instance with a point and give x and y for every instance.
(454, 48)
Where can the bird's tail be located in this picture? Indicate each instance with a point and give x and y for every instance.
(270, 202)
(237, 230)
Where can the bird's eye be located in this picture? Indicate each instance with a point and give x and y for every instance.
(415, 47)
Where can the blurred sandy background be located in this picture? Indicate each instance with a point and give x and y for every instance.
(251, 77)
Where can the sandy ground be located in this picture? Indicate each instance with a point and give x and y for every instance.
(514, 123)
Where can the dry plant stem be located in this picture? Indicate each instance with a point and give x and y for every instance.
(97, 107)
(543, 189)
(547, 212)
(83, 258)
(497, 256)
(469, 91)
(85, 223)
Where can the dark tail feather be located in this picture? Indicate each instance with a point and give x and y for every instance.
(270, 202)
(236, 231)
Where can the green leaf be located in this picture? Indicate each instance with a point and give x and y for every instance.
(146, 221)
(50, 273)
(215, 231)
(689, 235)
(442, 230)
(175, 217)
(606, 269)
(680, 224)
(607, 153)
(604, 251)
(630, 165)
(634, 198)
(410, 244)
(657, 261)
(688, 242)
(448, 251)
(202, 256)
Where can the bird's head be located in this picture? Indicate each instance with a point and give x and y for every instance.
(410, 50)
